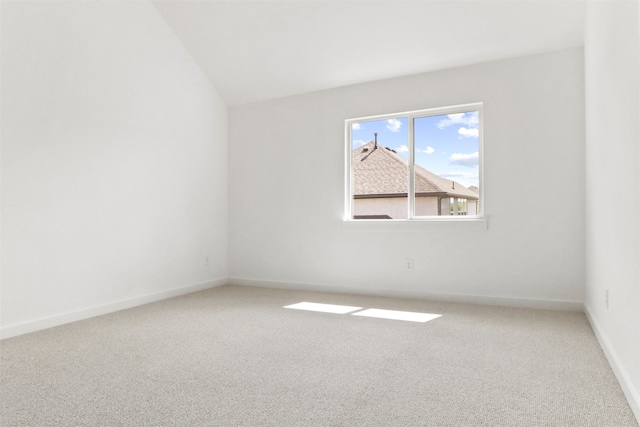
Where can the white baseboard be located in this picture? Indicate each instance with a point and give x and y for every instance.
(629, 390)
(576, 306)
(8, 331)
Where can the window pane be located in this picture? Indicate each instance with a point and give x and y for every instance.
(379, 169)
(446, 173)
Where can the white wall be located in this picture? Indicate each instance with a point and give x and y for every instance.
(612, 71)
(286, 193)
(114, 162)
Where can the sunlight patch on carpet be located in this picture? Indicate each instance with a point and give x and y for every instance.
(324, 308)
(408, 316)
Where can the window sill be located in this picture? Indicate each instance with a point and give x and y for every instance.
(417, 225)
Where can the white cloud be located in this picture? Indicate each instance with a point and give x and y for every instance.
(468, 132)
(403, 149)
(394, 125)
(459, 175)
(472, 119)
(464, 159)
(451, 119)
(467, 179)
(428, 150)
(356, 126)
(359, 142)
(467, 119)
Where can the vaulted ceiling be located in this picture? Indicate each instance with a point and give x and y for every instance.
(257, 50)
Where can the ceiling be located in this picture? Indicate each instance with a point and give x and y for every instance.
(257, 50)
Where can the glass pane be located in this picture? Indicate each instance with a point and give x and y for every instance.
(379, 169)
(446, 173)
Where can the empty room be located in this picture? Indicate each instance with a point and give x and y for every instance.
(320, 213)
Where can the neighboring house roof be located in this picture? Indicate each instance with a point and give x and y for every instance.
(382, 172)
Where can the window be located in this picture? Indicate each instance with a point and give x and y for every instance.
(419, 165)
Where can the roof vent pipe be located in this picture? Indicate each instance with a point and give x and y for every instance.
(375, 144)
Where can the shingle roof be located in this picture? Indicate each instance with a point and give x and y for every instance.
(382, 171)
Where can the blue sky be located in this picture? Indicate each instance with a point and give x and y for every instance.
(447, 145)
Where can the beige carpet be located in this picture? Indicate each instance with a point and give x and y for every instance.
(233, 356)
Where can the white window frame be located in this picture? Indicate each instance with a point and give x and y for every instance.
(411, 116)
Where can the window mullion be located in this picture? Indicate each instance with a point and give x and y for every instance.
(411, 180)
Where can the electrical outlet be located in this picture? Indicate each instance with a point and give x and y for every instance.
(606, 298)
(408, 264)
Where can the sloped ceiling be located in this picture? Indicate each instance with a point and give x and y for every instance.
(257, 50)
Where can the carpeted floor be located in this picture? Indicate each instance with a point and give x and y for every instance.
(233, 356)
